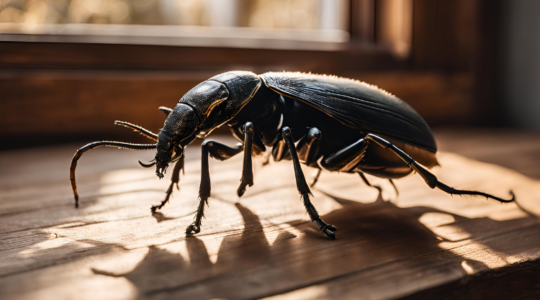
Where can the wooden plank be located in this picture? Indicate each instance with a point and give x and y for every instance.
(260, 246)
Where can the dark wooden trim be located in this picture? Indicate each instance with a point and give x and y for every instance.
(16, 55)
(180, 36)
(362, 20)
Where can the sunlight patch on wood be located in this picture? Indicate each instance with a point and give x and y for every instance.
(468, 268)
(312, 292)
(436, 219)
(49, 245)
(120, 264)
(451, 232)
(126, 175)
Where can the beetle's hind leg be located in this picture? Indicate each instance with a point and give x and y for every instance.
(303, 188)
(366, 181)
(394, 186)
(174, 181)
(346, 159)
(430, 179)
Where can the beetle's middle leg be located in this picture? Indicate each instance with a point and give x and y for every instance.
(303, 187)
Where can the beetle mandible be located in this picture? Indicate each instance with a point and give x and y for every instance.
(325, 122)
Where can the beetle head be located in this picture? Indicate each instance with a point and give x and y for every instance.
(179, 130)
(207, 106)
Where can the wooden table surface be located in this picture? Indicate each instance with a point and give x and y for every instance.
(420, 244)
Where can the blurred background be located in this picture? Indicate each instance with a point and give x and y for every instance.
(69, 68)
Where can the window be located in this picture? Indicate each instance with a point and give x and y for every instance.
(264, 24)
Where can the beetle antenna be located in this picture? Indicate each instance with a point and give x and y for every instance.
(114, 144)
(147, 133)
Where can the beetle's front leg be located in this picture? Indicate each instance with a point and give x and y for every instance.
(174, 180)
(218, 151)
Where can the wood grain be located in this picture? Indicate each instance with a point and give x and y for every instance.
(263, 245)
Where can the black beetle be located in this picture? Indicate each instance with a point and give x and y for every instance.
(325, 122)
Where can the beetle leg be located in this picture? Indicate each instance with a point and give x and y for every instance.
(364, 178)
(303, 188)
(308, 146)
(347, 158)
(366, 181)
(429, 178)
(174, 180)
(316, 178)
(279, 151)
(220, 152)
(266, 158)
(394, 185)
(247, 167)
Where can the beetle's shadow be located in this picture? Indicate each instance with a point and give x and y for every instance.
(369, 235)
(398, 223)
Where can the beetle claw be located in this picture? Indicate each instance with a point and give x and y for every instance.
(328, 229)
(193, 229)
(330, 234)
